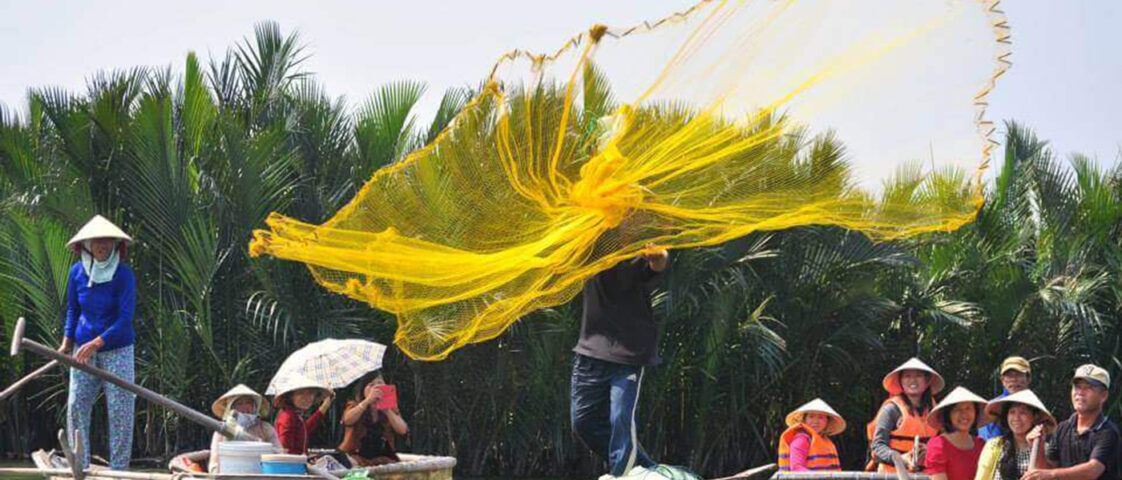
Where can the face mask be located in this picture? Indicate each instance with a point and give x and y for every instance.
(245, 420)
(98, 271)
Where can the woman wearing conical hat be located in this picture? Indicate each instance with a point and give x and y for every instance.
(293, 398)
(953, 454)
(806, 444)
(101, 300)
(1007, 456)
(246, 408)
(902, 418)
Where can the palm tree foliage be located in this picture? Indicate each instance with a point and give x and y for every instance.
(190, 160)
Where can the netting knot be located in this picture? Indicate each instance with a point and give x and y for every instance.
(596, 32)
(601, 190)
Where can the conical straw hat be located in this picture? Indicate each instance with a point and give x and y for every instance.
(891, 381)
(220, 406)
(297, 382)
(1024, 397)
(836, 425)
(957, 396)
(99, 227)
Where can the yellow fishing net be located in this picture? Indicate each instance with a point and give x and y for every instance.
(693, 130)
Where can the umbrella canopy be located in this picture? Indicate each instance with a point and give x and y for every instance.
(330, 363)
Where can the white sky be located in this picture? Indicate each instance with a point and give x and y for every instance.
(1066, 80)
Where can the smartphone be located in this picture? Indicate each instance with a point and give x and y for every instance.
(389, 397)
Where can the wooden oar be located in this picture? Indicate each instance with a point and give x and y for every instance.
(901, 466)
(103, 473)
(27, 379)
(229, 430)
(765, 471)
(100, 473)
(1034, 454)
(73, 457)
(824, 475)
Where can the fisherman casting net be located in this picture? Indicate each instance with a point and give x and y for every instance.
(712, 123)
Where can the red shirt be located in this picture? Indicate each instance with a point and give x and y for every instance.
(944, 457)
(293, 431)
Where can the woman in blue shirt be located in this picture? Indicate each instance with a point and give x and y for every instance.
(101, 300)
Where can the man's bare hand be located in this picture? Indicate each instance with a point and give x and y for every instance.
(1037, 475)
(657, 257)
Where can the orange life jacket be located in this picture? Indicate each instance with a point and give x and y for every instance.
(902, 439)
(822, 456)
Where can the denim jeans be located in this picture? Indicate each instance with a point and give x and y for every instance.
(603, 403)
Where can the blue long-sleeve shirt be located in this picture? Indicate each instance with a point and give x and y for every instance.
(104, 309)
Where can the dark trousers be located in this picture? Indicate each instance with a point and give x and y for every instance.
(603, 403)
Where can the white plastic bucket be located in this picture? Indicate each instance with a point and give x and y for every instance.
(242, 457)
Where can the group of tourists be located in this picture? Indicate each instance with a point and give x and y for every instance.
(369, 432)
(964, 436)
(98, 330)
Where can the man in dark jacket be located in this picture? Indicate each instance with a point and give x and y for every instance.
(618, 339)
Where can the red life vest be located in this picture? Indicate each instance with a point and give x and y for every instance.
(822, 455)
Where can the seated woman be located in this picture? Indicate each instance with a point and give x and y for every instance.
(806, 444)
(369, 435)
(953, 454)
(247, 408)
(1007, 457)
(291, 401)
(902, 417)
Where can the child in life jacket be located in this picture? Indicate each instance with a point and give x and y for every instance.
(806, 445)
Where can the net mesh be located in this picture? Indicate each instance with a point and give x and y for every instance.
(727, 118)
